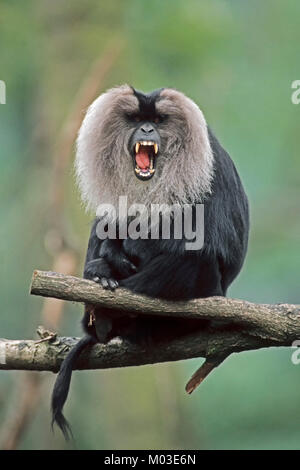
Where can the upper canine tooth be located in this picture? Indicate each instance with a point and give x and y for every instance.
(137, 146)
(155, 148)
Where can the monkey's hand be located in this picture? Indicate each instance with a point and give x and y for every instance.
(98, 270)
(117, 259)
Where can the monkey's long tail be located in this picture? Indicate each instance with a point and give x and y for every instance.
(62, 385)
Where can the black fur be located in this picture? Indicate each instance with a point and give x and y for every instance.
(62, 385)
(147, 101)
(162, 268)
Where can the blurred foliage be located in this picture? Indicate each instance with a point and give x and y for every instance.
(237, 60)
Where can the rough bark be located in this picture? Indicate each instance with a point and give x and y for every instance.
(47, 355)
(245, 326)
(272, 322)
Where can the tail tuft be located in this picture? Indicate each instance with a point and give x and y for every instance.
(62, 423)
(62, 385)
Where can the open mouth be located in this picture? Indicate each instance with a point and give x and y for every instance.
(145, 152)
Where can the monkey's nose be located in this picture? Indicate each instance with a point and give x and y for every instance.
(147, 128)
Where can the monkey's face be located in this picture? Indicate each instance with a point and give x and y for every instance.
(154, 148)
(159, 122)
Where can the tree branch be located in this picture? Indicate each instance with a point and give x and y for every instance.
(272, 322)
(245, 326)
(47, 355)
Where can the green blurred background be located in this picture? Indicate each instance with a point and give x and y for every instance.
(237, 60)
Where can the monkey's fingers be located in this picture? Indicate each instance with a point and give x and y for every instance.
(106, 282)
(113, 284)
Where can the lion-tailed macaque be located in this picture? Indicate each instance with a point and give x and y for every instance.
(157, 150)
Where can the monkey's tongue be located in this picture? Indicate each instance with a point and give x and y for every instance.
(142, 158)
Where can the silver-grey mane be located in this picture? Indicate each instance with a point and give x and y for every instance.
(104, 167)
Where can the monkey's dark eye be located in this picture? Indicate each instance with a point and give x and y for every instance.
(160, 118)
(134, 117)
